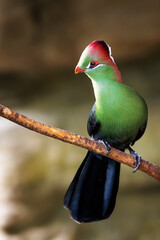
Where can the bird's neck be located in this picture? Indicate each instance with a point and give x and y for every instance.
(103, 91)
(105, 84)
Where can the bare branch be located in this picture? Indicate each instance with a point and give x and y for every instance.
(92, 145)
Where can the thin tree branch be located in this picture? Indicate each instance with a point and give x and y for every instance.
(92, 145)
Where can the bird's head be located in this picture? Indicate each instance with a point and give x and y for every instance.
(97, 58)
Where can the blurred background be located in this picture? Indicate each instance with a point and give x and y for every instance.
(40, 44)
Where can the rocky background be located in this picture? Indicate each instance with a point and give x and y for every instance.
(40, 44)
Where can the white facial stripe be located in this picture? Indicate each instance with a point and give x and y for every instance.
(89, 69)
(88, 65)
(110, 53)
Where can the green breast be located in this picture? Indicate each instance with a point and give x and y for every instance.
(121, 112)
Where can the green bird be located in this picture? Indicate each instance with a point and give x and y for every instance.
(118, 118)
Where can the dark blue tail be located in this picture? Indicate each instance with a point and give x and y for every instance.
(91, 195)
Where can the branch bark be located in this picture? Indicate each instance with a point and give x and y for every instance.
(92, 145)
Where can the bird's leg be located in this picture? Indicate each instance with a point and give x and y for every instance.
(106, 145)
(92, 137)
(137, 158)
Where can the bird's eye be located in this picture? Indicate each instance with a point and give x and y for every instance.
(93, 63)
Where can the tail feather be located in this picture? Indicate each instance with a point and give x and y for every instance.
(92, 193)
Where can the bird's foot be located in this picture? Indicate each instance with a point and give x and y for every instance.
(92, 138)
(106, 145)
(137, 158)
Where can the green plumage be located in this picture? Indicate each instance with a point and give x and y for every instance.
(119, 118)
(119, 109)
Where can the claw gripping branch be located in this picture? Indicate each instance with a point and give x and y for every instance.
(65, 136)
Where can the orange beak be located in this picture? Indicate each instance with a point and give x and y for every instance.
(79, 70)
